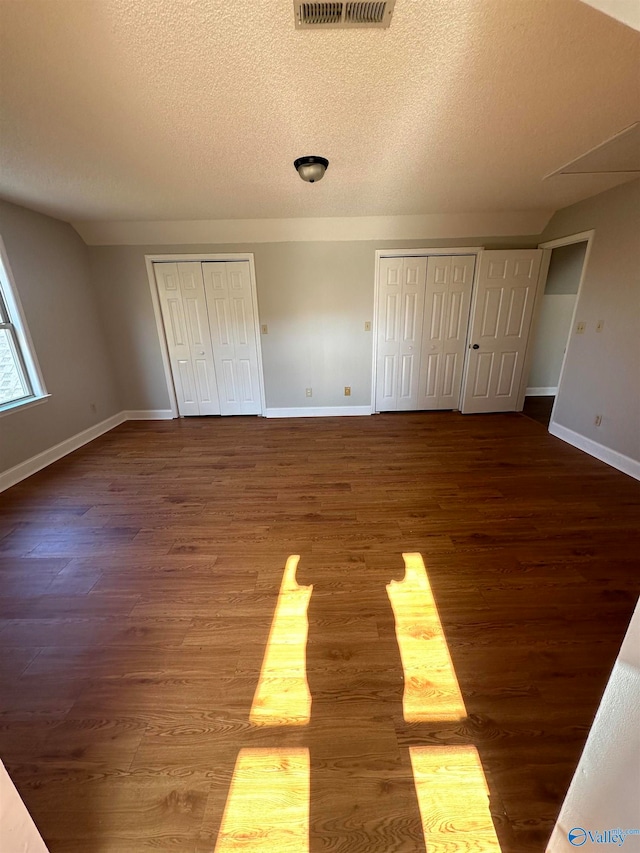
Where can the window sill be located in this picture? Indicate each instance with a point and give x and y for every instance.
(20, 405)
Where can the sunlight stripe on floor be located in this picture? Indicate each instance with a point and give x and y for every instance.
(282, 697)
(267, 807)
(431, 690)
(453, 798)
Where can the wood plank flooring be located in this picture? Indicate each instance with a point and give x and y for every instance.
(139, 578)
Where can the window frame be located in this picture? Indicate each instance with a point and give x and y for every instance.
(13, 320)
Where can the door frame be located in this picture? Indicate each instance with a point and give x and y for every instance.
(547, 248)
(476, 251)
(201, 257)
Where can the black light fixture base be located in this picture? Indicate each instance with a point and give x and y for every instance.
(304, 167)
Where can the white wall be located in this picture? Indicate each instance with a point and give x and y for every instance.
(551, 336)
(605, 791)
(50, 267)
(602, 370)
(314, 297)
(554, 321)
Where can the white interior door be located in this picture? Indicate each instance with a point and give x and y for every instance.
(400, 313)
(500, 323)
(184, 313)
(233, 334)
(446, 319)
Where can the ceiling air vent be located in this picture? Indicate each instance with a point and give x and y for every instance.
(342, 16)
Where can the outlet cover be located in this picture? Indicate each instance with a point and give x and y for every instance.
(308, 392)
(580, 328)
(347, 390)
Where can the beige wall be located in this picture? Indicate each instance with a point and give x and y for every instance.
(314, 297)
(602, 370)
(51, 272)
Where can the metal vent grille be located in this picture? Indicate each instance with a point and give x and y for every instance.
(343, 15)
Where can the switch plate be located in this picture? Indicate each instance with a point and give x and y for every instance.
(580, 328)
(347, 390)
(600, 326)
(367, 325)
(598, 420)
(264, 329)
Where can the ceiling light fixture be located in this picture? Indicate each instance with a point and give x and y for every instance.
(311, 169)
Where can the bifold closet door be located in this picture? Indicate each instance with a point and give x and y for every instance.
(400, 308)
(186, 324)
(233, 335)
(444, 333)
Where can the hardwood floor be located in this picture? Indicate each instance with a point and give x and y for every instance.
(140, 577)
(539, 408)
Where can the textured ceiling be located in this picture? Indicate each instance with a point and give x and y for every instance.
(196, 109)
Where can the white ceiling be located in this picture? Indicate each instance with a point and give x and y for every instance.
(196, 109)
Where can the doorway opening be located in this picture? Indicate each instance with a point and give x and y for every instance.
(555, 324)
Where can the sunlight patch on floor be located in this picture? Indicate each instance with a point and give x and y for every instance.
(267, 807)
(282, 697)
(453, 798)
(431, 690)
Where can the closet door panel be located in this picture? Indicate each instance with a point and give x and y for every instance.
(235, 346)
(197, 323)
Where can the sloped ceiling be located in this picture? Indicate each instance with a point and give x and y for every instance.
(195, 109)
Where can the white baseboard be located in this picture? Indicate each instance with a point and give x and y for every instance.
(617, 460)
(148, 415)
(47, 457)
(542, 391)
(318, 412)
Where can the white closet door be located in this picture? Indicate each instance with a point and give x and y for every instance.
(446, 317)
(184, 314)
(233, 334)
(400, 312)
(500, 323)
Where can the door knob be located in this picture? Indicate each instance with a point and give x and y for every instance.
(476, 346)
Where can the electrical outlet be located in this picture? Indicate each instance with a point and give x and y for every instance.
(580, 328)
(367, 325)
(347, 390)
(308, 392)
(600, 326)
(598, 420)
(264, 329)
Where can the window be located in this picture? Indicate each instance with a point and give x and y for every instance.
(20, 379)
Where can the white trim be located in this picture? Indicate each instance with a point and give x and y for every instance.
(318, 412)
(148, 415)
(47, 457)
(202, 257)
(432, 226)
(548, 247)
(20, 405)
(605, 454)
(410, 253)
(582, 237)
(542, 391)
(164, 349)
(14, 306)
(545, 259)
(422, 253)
